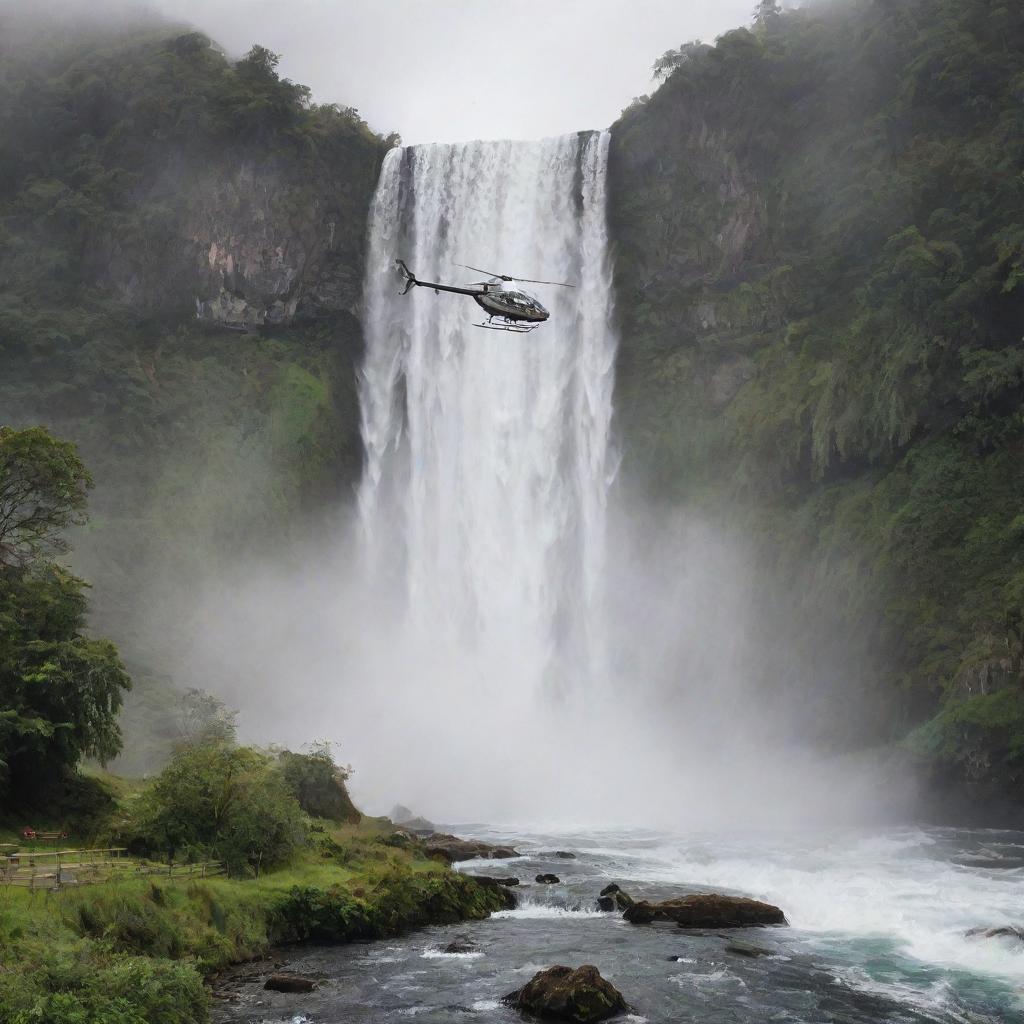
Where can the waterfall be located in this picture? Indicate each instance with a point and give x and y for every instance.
(488, 455)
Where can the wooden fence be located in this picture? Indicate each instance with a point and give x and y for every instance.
(63, 869)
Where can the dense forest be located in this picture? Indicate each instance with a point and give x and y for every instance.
(821, 283)
(819, 260)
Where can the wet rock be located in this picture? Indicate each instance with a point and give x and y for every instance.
(508, 898)
(461, 944)
(613, 898)
(561, 854)
(452, 849)
(1002, 932)
(496, 881)
(707, 910)
(401, 815)
(419, 826)
(289, 983)
(742, 949)
(564, 993)
(990, 863)
(547, 879)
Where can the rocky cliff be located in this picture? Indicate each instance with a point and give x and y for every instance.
(818, 255)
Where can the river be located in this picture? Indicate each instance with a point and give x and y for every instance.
(877, 924)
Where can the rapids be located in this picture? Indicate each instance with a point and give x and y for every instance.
(877, 933)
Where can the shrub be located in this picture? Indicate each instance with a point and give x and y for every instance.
(222, 801)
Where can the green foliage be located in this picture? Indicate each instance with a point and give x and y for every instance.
(43, 488)
(99, 989)
(819, 250)
(205, 719)
(60, 691)
(318, 783)
(226, 801)
(390, 903)
(978, 738)
(136, 951)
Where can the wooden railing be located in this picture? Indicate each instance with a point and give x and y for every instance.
(71, 868)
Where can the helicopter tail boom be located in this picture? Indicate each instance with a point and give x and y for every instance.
(412, 280)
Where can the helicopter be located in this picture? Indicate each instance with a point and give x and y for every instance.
(507, 309)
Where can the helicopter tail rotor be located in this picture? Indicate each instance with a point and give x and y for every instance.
(410, 277)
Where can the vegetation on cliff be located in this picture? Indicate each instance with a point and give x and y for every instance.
(146, 178)
(820, 255)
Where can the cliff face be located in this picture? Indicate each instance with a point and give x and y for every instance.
(257, 245)
(818, 255)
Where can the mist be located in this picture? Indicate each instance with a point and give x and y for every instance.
(684, 730)
(442, 72)
(501, 629)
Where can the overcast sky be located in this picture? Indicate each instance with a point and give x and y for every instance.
(451, 70)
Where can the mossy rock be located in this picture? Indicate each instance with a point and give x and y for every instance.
(571, 994)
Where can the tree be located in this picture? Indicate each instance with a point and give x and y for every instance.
(204, 718)
(766, 13)
(223, 800)
(60, 691)
(43, 489)
(672, 59)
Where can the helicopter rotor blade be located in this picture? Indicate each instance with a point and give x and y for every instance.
(525, 280)
(489, 273)
(560, 284)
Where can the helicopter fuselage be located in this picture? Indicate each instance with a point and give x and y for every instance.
(511, 304)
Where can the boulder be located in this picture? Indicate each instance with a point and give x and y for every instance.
(560, 854)
(452, 849)
(496, 881)
(743, 949)
(1002, 932)
(461, 944)
(401, 815)
(547, 879)
(613, 898)
(706, 910)
(565, 993)
(289, 983)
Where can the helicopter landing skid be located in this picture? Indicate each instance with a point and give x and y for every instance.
(500, 323)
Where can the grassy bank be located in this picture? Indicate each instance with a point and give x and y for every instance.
(138, 951)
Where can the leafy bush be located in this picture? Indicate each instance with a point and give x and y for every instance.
(92, 988)
(222, 801)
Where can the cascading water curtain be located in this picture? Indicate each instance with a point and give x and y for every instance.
(488, 454)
